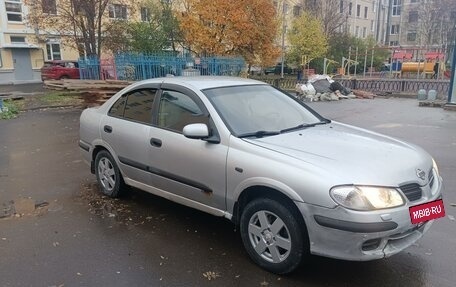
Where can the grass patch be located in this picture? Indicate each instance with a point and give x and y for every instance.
(52, 99)
(10, 110)
(59, 99)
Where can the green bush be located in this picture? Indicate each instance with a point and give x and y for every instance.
(9, 111)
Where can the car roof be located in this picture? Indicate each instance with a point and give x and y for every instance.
(207, 82)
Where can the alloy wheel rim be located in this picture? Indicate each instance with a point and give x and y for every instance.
(269, 236)
(107, 174)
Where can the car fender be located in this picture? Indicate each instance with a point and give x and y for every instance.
(266, 182)
(105, 145)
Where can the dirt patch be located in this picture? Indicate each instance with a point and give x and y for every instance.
(23, 207)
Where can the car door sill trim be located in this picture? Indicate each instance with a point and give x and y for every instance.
(178, 199)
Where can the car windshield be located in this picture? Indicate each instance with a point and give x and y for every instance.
(260, 110)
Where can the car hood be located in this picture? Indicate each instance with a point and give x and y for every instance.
(351, 155)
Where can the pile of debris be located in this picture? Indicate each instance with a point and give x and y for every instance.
(323, 88)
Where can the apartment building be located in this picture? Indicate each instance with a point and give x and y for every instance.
(361, 17)
(24, 49)
(418, 23)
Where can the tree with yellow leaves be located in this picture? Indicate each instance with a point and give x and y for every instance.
(306, 38)
(220, 27)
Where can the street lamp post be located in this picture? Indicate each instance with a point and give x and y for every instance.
(452, 89)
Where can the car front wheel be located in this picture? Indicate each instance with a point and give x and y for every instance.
(108, 174)
(272, 236)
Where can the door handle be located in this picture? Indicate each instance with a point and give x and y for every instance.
(155, 142)
(107, 129)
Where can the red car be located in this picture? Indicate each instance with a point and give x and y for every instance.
(59, 69)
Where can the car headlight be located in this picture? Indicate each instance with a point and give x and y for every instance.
(366, 197)
(435, 167)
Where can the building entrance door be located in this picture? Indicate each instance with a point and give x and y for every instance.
(22, 65)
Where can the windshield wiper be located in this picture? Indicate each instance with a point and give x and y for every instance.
(303, 126)
(259, 134)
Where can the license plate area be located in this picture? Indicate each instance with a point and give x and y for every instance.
(427, 211)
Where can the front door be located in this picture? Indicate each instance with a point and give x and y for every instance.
(192, 168)
(22, 65)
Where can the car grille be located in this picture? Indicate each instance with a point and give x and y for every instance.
(431, 179)
(412, 191)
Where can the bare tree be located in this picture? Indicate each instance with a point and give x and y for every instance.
(79, 22)
(436, 21)
(332, 13)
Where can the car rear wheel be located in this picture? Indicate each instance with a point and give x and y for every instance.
(272, 236)
(64, 77)
(108, 174)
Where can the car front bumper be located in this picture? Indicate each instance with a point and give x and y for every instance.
(362, 236)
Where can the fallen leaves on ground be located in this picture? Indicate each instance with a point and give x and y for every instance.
(211, 275)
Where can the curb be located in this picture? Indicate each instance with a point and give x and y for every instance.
(54, 107)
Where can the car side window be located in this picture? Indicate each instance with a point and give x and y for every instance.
(136, 106)
(178, 110)
(117, 109)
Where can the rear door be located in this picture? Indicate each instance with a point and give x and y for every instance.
(126, 129)
(194, 169)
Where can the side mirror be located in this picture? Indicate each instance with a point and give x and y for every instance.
(196, 131)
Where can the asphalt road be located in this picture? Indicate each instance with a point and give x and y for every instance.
(69, 235)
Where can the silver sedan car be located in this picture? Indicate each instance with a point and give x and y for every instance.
(294, 182)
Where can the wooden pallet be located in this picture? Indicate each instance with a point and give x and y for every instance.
(87, 86)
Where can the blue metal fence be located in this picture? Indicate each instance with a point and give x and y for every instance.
(136, 67)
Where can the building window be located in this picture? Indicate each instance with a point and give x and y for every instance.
(118, 11)
(394, 29)
(53, 51)
(372, 25)
(413, 1)
(350, 6)
(341, 6)
(13, 10)
(411, 36)
(49, 7)
(397, 7)
(394, 43)
(357, 31)
(145, 14)
(374, 6)
(296, 11)
(365, 12)
(358, 10)
(413, 16)
(364, 32)
(17, 39)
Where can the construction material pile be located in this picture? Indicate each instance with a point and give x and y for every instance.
(93, 91)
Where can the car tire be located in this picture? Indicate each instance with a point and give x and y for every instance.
(108, 174)
(64, 77)
(273, 236)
